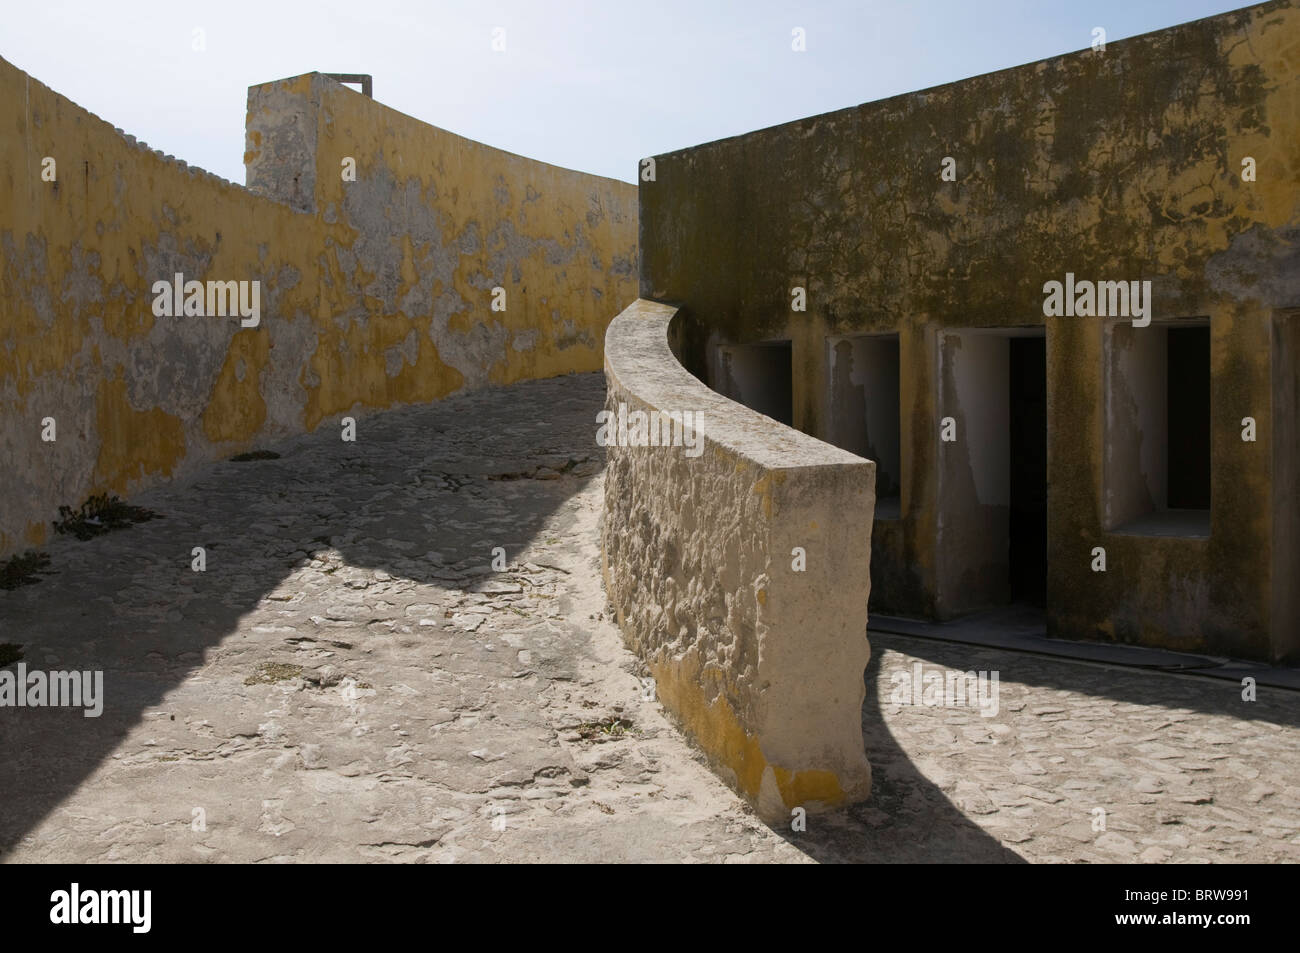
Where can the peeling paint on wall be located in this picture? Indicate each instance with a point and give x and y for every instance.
(1124, 165)
(374, 292)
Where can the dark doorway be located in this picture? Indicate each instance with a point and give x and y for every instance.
(1028, 472)
(760, 376)
(1189, 418)
(864, 410)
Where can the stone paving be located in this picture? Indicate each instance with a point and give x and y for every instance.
(351, 679)
(1182, 769)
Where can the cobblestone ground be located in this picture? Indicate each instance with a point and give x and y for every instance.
(350, 680)
(1182, 769)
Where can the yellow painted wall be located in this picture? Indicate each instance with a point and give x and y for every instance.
(374, 293)
(1117, 165)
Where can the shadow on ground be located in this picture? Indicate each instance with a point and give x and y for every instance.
(1129, 685)
(908, 819)
(424, 493)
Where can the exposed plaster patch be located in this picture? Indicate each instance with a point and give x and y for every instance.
(402, 354)
(364, 306)
(1261, 264)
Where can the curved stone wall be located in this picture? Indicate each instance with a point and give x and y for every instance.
(737, 557)
(394, 263)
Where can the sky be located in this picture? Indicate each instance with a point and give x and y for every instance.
(588, 85)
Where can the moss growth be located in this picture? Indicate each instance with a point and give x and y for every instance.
(270, 672)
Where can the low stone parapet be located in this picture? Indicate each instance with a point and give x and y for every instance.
(736, 553)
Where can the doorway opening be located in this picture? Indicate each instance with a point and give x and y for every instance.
(1027, 531)
(760, 376)
(1188, 462)
(1157, 450)
(863, 416)
(993, 490)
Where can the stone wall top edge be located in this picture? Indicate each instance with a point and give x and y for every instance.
(139, 145)
(332, 87)
(639, 360)
(1137, 45)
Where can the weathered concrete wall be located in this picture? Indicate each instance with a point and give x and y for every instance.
(1117, 165)
(374, 292)
(432, 225)
(762, 664)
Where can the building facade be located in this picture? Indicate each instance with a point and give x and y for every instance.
(1059, 307)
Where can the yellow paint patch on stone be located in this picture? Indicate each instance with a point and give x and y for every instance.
(542, 362)
(763, 488)
(804, 787)
(352, 289)
(133, 443)
(428, 379)
(237, 409)
(684, 691)
(680, 685)
(352, 370)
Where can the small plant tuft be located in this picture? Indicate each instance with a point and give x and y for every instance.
(100, 514)
(23, 570)
(605, 728)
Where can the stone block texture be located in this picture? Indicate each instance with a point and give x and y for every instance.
(760, 662)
